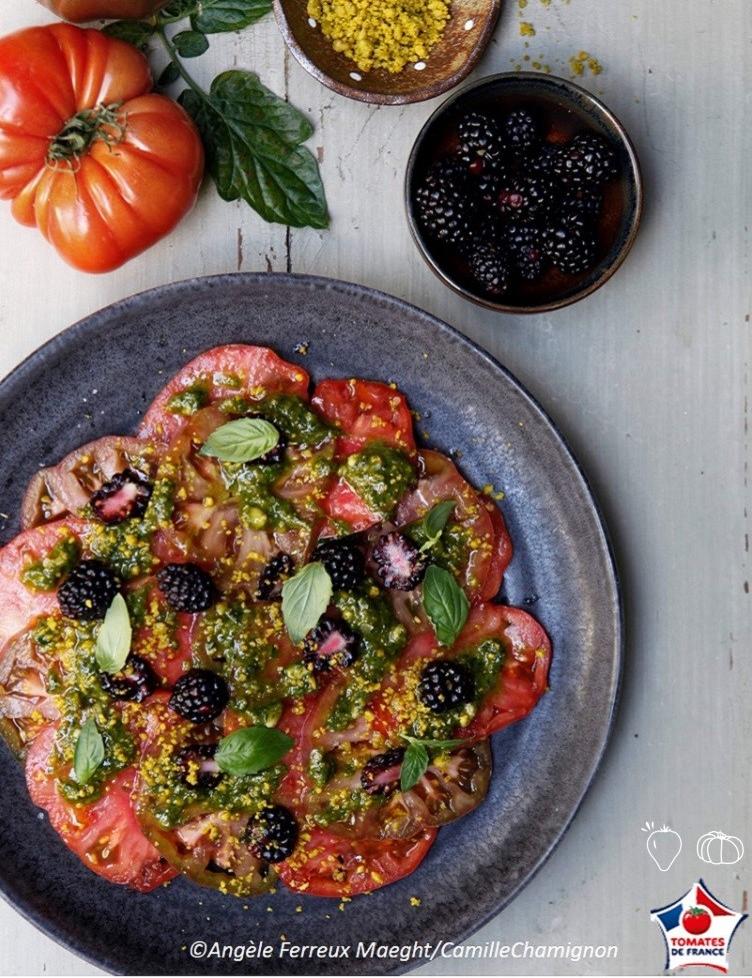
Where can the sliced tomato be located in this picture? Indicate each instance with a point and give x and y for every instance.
(223, 372)
(524, 675)
(164, 638)
(330, 865)
(365, 411)
(68, 486)
(477, 523)
(344, 505)
(105, 834)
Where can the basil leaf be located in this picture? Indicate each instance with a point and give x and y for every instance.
(446, 604)
(251, 749)
(135, 32)
(114, 637)
(89, 752)
(434, 521)
(439, 745)
(217, 16)
(414, 765)
(190, 44)
(252, 140)
(305, 597)
(241, 441)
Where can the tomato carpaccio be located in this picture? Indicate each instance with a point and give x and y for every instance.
(80, 11)
(224, 643)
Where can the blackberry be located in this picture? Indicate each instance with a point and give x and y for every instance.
(343, 560)
(541, 196)
(399, 565)
(512, 199)
(520, 130)
(198, 767)
(88, 590)
(272, 834)
(124, 497)
(199, 696)
(187, 587)
(134, 682)
(445, 685)
(540, 160)
(330, 643)
(587, 161)
(490, 269)
(526, 248)
(443, 205)
(571, 250)
(485, 187)
(273, 576)
(579, 208)
(381, 774)
(481, 144)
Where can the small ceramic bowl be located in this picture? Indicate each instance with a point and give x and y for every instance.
(464, 40)
(563, 109)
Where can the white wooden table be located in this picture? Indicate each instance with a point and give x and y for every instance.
(648, 379)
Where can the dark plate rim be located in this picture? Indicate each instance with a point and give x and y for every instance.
(78, 331)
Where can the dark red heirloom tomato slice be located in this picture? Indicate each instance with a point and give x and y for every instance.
(330, 865)
(485, 545)
(223, 372)
(105, 834)
(365, 411)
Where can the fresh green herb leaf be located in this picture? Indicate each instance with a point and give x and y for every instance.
(251, 749)
(252, 140)
(135, 32)
(177, 10)
(241, 441)
(414, 765)
(114, 637)
(305, 597)
(440, 745)
(217, 16)
(190, 44)
(434, 522)
(446, 604)
(89, 752)
(169, 76)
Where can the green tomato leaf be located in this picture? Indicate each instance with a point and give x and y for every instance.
(251, 749)
(252, 140)
(190, 44)
(241, 441)
(414, 765)
(434, 521)
(114, 637)
(305, 597)
(217, 16)
(169, 75)
(178, 10)
(135, 32)
(446, 604)
(89, 752)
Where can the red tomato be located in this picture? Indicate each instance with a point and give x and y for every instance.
(696, 920)
(329, 865)
(105, 834)
(524, 675)
(344, 504)
(103, 168)
(365, 411)
(489, 548)
(223, 372)
(83, 10)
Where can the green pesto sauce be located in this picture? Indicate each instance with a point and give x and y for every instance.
(259, 507)
(239, 640)
(344, 805)
(190, 400)
(289, 413)
(380, 475)
(75, 686)
(320, 767)
(382, 638)
(126, 546)
(47, 573)
(451, 551)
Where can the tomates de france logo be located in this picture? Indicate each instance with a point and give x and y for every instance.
(697, 929)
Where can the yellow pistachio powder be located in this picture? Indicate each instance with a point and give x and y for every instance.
(386, 34)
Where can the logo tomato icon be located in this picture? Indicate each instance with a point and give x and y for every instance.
(696, 920)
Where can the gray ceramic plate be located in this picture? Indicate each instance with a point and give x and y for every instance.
(562, 569)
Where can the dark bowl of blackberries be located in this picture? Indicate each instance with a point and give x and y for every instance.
(523, 192)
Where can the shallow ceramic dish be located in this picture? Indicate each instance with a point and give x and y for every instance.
(466, 37)
(97, 377)
(574, 110)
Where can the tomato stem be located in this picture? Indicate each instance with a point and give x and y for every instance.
(85, 128)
